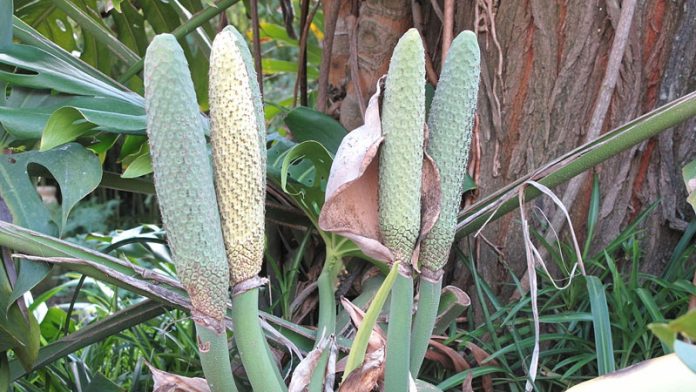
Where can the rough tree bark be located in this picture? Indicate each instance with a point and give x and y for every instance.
(538, 92)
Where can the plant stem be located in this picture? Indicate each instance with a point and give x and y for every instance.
(215, 359)
(326, 325)
(260, 367)
(583, 157)
(202, 16)
(396, 374)
(424, 321)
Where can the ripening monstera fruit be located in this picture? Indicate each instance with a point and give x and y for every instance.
(401, 159)
(239, 154)
(186, 196)
(450, 123)
(184, 179)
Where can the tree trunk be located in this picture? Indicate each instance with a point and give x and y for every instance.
(543, 65)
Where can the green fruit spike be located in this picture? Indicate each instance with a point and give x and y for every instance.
(401, 159)
(450, 123)
(184, 181)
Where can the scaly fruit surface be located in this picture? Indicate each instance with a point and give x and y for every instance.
(401, 159)
(184, 178)
(238, 153)
(450, 123)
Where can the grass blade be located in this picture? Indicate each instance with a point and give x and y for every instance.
(357, 350)
(602, 325)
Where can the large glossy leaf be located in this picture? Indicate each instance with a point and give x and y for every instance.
(130, 27)
(77, 172)
(275, 66)
(309, 124)
(99, 43)
(48, 20)
(279, 34)
(28, 35)
(46, 71)
(304, 170)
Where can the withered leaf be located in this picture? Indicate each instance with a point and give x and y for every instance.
(168, 382)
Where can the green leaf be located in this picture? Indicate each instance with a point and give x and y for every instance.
(6, 13)
(49, 21)
(63, 126)
(77, 171)
(275, 66)
(117, 4)
(26, 332)
(28, 114)
(140, 166)
(687, 353)
(685, 324)
(132, 144)
(308, 165)
(93, 333)
(95, 33)
(601, 324)
(27, 35)
(102, 143)
(468, 184)
(279, 34)
(47, 71)
(663, 332)
(52, 324)
(592, 215)
(309, 124)
(453, 302)
(100, 383)
(668, 332)
(68, 123)
(130, 26)
(422, 386)
(4, 364)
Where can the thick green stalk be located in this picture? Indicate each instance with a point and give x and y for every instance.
(326, 325)
(588, 155)
(262, 372)
(424, 321)
(212, 348)
(396, 373)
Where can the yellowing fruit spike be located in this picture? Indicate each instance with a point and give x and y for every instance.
(184, 180)
(401, 159)
(238, 154)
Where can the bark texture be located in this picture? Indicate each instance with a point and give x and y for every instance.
(541, 74)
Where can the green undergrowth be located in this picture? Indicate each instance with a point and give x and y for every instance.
(568, 350)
